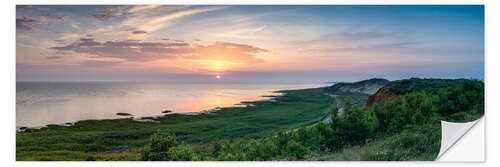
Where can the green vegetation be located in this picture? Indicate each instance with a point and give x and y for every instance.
(357, 99)
(404, 86)
(289, 128)
(163, 146)
(369, 86)
(108, 139)
(407, 128)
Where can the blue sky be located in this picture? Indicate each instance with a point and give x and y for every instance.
(249, 43)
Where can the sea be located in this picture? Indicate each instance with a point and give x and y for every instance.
(42, 103)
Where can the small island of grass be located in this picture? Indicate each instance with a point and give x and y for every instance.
(166, 111)
(123, 114)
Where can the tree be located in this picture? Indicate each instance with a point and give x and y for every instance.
(163, 146)
(356, 126)
(296, 149)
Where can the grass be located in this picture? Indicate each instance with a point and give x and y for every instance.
(120, 139)
(396, 147)
(357, 99)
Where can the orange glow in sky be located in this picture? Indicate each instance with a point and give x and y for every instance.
(245, 42)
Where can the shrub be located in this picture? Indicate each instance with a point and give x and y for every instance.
(296, 149)
(163, 146)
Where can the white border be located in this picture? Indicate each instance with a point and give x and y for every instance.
(7, 84)
(246, 2)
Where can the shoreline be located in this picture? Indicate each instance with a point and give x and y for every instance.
(151, 118)
(296, 108)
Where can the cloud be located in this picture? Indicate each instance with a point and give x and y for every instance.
(108, 13)
(243, 32)
(226, 51)
(361, 35)
(25, 23)
(139, 32)
(136, 31)
(41, 16)
(75, 25)
(97, 63)
(32, 8)
(62, 53)
(53, 17)
(60, 41)
(367, 47)
(138, 8)
(153, 23)
(54, 57)
(346, 37)
(398, 45)
(72, 36)
(138, 50)
(132, 50)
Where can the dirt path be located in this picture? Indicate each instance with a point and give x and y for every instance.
(328, 118)
(339, 104)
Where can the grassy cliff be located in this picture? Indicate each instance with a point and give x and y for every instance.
(369, 86)
(398, 88)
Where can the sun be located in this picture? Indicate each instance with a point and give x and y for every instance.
(217, 76)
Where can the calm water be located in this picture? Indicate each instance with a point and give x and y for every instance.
(42, 103)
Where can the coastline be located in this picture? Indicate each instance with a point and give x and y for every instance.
(151, 118)
(295, 108)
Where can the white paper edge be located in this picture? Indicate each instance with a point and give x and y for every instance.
(462, 142)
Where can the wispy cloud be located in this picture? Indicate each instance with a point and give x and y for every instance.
(364, 48)
(153, 24)
(140, 8)
(363, 35)
(245, 33)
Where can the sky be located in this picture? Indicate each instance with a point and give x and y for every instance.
(248, 43)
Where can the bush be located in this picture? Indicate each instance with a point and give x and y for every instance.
(356, 126)
(296, 149)
(163, 146)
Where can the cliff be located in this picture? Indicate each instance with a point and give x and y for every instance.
(397, 88)
(369, 86)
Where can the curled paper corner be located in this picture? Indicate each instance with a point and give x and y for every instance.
(451, 133)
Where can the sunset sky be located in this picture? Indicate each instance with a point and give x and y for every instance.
(248, 43)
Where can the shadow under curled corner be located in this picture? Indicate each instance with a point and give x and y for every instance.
(451, 133)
